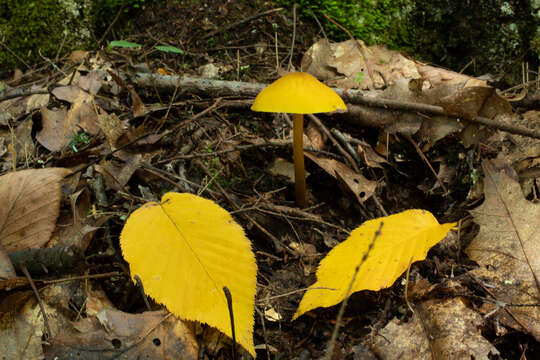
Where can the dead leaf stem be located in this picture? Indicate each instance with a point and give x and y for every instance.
(48, 333)
(339, 319)
(425, 159)
(325, 130)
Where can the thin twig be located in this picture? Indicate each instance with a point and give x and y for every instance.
(241, 22)
(425, 159)
(48, 332)
(100, 41)
(236, 88)
(347, 156)
(418, 315)
(265, 335)
(318, 23)
(346, 143)
(143, 294)
(15, 55)
(20, 94)
(360, 45)
(332, 343)
(290, 67)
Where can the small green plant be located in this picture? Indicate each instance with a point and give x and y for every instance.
(79, 140)
(359, 77)
(131, 45)
(169, 49)
(123, 44)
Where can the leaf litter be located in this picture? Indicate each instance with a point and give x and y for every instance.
(136, 134)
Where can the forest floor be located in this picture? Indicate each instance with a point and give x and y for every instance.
(124, 125)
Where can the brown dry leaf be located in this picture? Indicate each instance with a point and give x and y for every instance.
(81, 112)
(56, 131)
(118, 173)
(472, 101)
(93, 81)
(84, 115)
(371, 158)
(282, 167)
(137, 106)
(343, 62)
(361, 187)
(12, 109)
(453, 328)
(525, 147)
(31, 201)
(150, 335)
(437, 128)
(78, 56)
(20, 142)
(96, 300)
(438, 76)
(21, 327)
(316, 137)
(508, 247)
(469, 102)
(71, 94)
(74, 229)
(405, 122)
(111, 126)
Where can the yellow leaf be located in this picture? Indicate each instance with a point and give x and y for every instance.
(185, 249)
(405, 238)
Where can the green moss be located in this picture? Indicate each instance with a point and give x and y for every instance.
(28, 27)
(373, 21)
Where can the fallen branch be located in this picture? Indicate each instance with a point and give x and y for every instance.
(220, 88)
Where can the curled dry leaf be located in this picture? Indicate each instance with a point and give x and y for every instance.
(30, 206)
(361, 188)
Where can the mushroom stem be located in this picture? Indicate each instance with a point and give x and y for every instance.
(298, 159)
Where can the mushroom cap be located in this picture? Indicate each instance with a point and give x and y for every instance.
(298, 93)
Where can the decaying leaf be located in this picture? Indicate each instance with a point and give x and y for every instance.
(21, 327)
(508, 247)
(345, 64)
(185, 250)
(30, 205)
(150, 335)
(117, 173)
(359, 186)
(454, 331)
(404, 238)
(56, 131)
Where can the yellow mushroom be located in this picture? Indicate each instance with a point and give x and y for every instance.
(298, 93)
